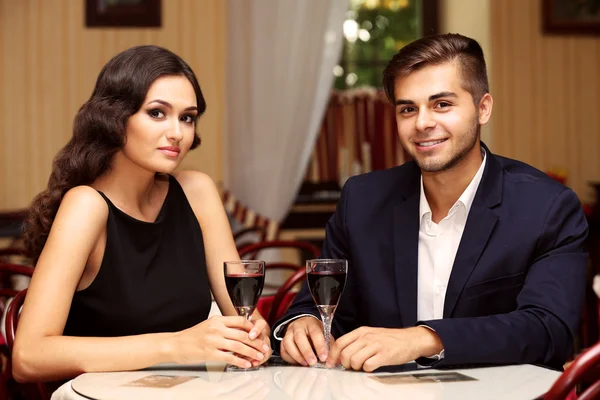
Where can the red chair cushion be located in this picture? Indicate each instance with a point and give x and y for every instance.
(264, 305)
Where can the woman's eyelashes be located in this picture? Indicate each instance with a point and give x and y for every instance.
(188, 118)
(159, 114)
(156, 113)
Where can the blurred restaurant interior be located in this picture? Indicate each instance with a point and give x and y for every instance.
(545, 85)
(294, 99)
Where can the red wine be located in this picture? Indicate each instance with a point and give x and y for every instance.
(326, 287)
(244, 291)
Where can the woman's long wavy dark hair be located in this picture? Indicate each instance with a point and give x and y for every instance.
(99, 130)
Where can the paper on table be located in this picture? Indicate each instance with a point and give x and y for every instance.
(422, 378)
(160, 381)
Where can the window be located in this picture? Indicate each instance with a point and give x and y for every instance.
(374, 30)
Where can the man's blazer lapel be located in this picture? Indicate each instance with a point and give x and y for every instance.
(479, 227)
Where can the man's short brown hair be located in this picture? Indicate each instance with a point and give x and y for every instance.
(440, 49)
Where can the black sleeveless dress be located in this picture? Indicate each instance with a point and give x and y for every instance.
(152, 278)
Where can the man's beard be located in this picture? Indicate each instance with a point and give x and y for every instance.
(465, 145)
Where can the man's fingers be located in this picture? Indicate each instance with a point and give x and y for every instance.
(342, 355)
(340, 344)
(358, 358)
(303, 344)
(318, 340)
(374, 362)
(350, 350)
(289, 351)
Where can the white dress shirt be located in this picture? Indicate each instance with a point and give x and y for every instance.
(438, 244)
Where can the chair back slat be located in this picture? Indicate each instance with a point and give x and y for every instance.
(12, 318)
(591, 393)
(309, 248)
(284, 296)
(584, 365)
(278, 304)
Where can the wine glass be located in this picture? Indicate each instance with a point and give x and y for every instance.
(244, 280)
(326, 281)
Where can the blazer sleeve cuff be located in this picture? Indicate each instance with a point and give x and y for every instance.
(431, 360)
(279, 330)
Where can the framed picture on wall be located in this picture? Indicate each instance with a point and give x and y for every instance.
(123, 13)
(572, 17)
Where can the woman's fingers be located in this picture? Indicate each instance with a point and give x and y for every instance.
(241, 336)
(232, 359)
(237, 322)
(241, 349)
(259, 326)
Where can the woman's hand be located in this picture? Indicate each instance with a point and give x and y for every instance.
(215, 338)
(261, 331)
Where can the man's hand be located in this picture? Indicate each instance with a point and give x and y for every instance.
(296, 344)
(368, 348)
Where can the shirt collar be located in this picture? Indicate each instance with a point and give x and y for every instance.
(466, 198)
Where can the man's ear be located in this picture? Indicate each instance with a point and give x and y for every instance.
(485, 108)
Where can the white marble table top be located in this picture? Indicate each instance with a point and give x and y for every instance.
(210, 381)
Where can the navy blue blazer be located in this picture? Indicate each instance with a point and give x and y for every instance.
(516, 289)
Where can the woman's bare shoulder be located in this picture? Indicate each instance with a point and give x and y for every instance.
(80, 219)
(83, 202)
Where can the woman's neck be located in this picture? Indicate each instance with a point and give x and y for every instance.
(131, 188)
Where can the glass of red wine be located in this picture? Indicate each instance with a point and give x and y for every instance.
(326, 281)
(244, 280)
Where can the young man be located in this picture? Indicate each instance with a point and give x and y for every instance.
(460, 257)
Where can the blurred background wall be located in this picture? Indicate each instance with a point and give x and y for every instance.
(546, 88)
(547, 92)
(48, 66)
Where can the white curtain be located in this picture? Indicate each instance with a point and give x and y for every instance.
(281, 55)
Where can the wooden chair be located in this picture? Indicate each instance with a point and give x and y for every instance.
(247, 236)
(273, 307)
(33, 391)
(282, 300)
(585, 368)
(7, 270)
(306, 248)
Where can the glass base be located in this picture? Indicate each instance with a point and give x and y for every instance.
(321, 365)
(235, 368)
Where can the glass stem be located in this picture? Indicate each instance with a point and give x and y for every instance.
(327, 329)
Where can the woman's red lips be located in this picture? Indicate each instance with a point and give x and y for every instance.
(170, 151)
(170, 148)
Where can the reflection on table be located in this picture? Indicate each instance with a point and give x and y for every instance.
(278, 381)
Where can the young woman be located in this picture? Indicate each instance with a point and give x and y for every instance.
(127, 251)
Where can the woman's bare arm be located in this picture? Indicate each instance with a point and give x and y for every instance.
(42, 353)
(218, 239)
